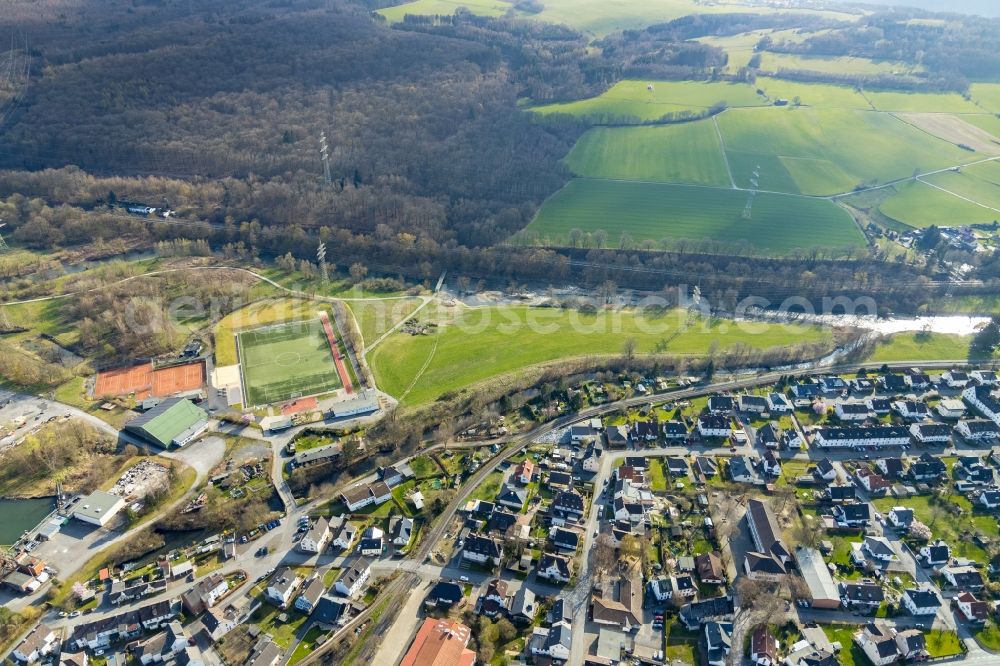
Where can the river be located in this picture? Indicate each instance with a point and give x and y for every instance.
(16, 516)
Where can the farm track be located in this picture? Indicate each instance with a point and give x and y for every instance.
(725, 157)
(956, 194)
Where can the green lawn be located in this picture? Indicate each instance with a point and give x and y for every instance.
(920, 205)
(657, 479)
(306, 645)
(445, 8)
(286, 361)
(489, 487)
(682, 645)
(829, 151)
(631, 102)
(955, 531)
(283, 633)
(850, 653)
(989, 636)
(423, 466)
(376, 317)
(919, 346)
(689, 153)
(942, 643)
(482, 343)
(654, 211)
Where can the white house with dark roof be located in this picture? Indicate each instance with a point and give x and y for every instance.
(978, 429)
(921, 601)
(352, 579)
(981, 399)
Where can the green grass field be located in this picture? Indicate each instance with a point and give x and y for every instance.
(920, 346)
(920, 205)
(921, 102)
(473, 345)
(396, 13)
(773, 62)
(689, 153)
(653, 211)
(819, 95)
(830, 151)
(375, 317)
(968, 184)
(986, 95)
(631, 102)
(286, 361)
(600, 17)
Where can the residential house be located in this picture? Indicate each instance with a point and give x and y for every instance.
(675, 430)
(445, 594)
(862, 385)
(706, 466)
(330, 611)
(718, 642)
(763, 647)
(920, 381)
(778, 404)
(875, 549)
(264, 653)
(372, 542)
(833, 384)
(100, 633)
(205, 593)
(824, 470)
(927, 469)
(805, 391)
(317, 538)
(357, 497)
(848, 437)
(985, 377)
(951, 409)
(931, 433)
(769, 436)
(495, 600)
(694, 614)
(512, 497)
(879, 406)
(710, 570)
(645, 431)
(980, 399)
(771, 464)
(617, 436)
(524, 606)
(989, 499)
(400, 530)
(863, 597)
(972, 609)
(852, 516)
(217, 623)
(524, 472)
(675, 466)
(282, 586)
(741, 470)
(568, 505)
(713, 425)
(352, 578)
(840, 493)
(161, 647)
(564, 540)
(552, 642)
(752, 404)
(394, 475)
(892, 383)
(965, 578)
(910, 410)
(851, 411)
(921, 601)
(555, 568)
(345, 537)
(901, 517)
(955, 379)
(978, 430)
(878, 643)
(872, 482)
(591, 461)
(934, 555)
(37, 644)
(587, 431)
(556, 479)
(891, 468)
(972, 470)
(721, 404)
(310, 595)
(482, 550)
(381, 492)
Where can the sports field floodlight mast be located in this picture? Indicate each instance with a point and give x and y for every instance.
(3, 244)
(321, 260)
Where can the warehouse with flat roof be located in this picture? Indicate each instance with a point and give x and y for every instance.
(98, 508)
(173, 422)
(823, 592)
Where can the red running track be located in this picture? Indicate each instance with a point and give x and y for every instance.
(345, 378)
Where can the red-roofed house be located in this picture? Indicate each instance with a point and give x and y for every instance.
(440, 643)
(524, 471)
(971, 609)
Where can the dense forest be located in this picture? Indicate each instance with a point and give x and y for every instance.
(215, 110)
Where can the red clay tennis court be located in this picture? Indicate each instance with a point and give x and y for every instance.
(143, 381)
(136, 379)
(178, 379)
(299, 405)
